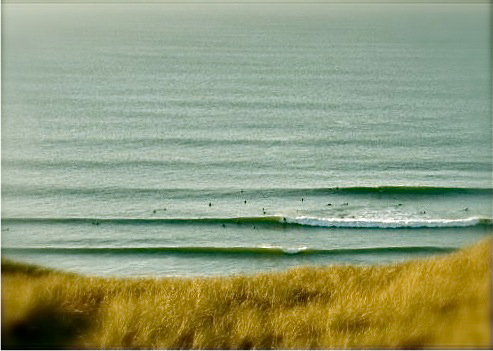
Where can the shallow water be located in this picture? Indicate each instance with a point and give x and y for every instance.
(206, 139)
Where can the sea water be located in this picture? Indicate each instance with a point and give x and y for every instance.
(214, 139)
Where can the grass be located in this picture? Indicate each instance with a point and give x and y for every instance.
(442, 302)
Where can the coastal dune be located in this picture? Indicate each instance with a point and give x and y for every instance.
(442, 301)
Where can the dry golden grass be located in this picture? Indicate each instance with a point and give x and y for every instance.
(438, 302)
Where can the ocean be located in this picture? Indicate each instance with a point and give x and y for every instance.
(236, 138)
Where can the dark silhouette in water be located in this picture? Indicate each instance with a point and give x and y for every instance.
(210, 204)
(244, 202)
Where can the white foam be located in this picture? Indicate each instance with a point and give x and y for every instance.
(386, 222)
(294, 250)
(291, 250)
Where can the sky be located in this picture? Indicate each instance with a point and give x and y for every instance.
(246, 1)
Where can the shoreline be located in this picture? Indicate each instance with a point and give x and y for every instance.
(440, 301)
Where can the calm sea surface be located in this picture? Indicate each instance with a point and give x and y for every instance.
(166, 139)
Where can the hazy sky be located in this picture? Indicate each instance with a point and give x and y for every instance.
(248, 1)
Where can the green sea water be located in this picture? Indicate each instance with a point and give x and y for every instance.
(212, 139)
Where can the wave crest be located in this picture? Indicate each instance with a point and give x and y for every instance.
(388, 223)
(228, 251)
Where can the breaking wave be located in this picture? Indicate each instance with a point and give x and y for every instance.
(389, 223)
(307, 221)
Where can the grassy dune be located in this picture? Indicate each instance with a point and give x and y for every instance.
(438, 302)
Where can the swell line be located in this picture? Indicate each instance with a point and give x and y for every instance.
(236, 251)
(253, 192)
(273, 220)
(410, 190)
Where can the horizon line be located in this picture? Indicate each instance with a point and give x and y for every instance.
(254, 2)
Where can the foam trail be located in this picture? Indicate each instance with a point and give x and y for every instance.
(388, 223)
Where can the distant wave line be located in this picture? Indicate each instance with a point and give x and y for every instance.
(260, 192)
(84, 164)
(412, 190)
(214, 141)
